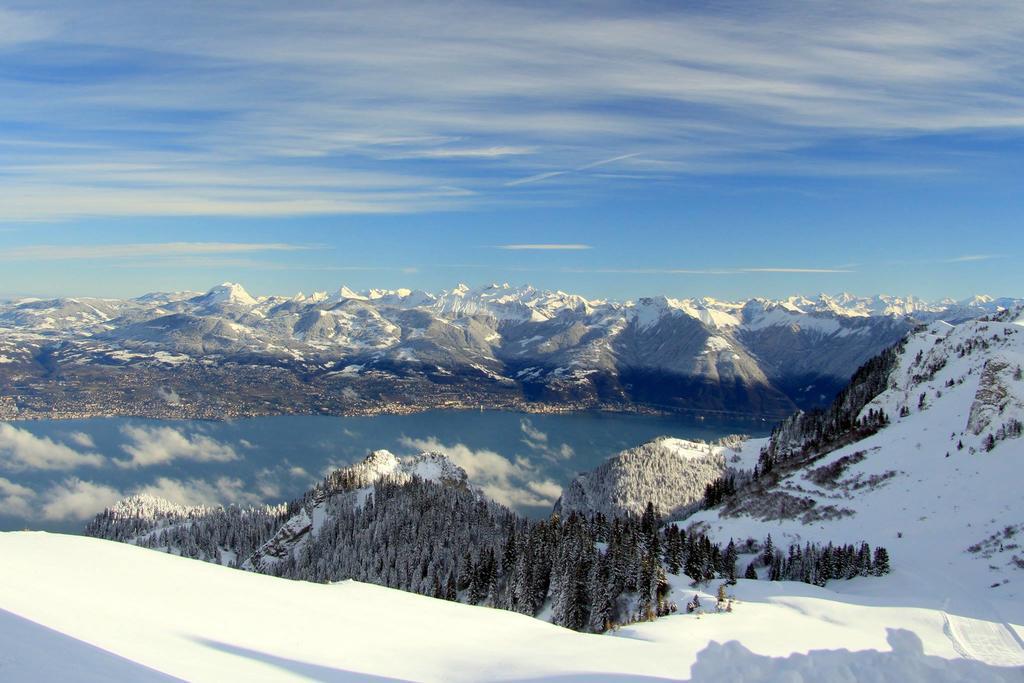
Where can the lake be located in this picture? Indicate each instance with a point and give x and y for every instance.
(54, 474)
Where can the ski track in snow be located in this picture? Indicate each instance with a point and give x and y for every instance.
(984, 641)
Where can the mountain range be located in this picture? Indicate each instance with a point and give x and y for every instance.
(493, 346)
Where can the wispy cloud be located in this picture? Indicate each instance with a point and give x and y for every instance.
(534, 178)
(53, 252)
(537, 440)
(796, 270)
(975, 257)
(249, 264)
(666, 270)
(585, 167)
(77, 499)
(305, 108)
(650, 271)
(466, 153)
(21, 28)
(544, 247)
(967, 258)
(603, 162)
(219, 491)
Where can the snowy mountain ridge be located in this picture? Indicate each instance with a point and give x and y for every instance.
(501, 300)
(346, 489)
(437, 536)
(382, 463)
(153, 522)
(258, 536)
(498, 346)
(271, 532)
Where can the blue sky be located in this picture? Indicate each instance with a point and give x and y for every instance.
(676, 148)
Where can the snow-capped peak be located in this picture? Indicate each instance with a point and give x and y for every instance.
(383, 464)
(345, 293)
(649, 310)
(229, 293)
(314, 298)
(977, 300)
(401, 293)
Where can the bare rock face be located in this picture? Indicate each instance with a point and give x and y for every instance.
(991, 398)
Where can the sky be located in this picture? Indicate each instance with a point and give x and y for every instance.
(610, 149)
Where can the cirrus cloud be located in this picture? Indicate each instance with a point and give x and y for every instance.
(92, 252)
(545, 247)
(322, 99)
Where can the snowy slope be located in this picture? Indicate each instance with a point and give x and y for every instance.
(940, 486)
(86, 609)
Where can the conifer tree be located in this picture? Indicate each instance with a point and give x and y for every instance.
(729, 562)
(881, 561)
(694, 564)
(864, 560)
(449, 587)
(769, 551)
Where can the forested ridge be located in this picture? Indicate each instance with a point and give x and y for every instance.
(211, 533)
(819, 431)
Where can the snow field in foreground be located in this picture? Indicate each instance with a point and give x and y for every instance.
(100, 610)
